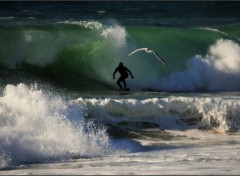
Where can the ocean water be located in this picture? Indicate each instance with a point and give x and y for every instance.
(61, 111)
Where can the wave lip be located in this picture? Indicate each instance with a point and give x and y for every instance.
(114, 33)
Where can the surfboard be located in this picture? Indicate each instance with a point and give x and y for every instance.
(127, 89)
(123, 91)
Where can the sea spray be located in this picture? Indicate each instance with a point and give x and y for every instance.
(35, 127)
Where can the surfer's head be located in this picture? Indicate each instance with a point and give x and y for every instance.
(120, 64)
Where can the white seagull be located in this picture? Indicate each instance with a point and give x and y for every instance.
(148, 50)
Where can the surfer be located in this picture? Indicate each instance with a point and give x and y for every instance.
(124, 74)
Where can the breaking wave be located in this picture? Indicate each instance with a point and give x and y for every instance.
(83, 55)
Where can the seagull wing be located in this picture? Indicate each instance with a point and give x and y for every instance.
(139, 49)
(148, 50)
(160, 58)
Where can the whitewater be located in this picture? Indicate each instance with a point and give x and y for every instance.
(42, 133)
(61, 112)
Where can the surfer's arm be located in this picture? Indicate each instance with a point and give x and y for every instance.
(129, 72)
(115, 73)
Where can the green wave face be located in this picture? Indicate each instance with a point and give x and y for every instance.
(85, 54)
(65, 53)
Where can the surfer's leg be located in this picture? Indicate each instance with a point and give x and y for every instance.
(119, 82)
(124, 83)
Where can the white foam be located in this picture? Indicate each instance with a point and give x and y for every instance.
(205, 111)
(225, 56)
(116, 34)
(218, 70)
